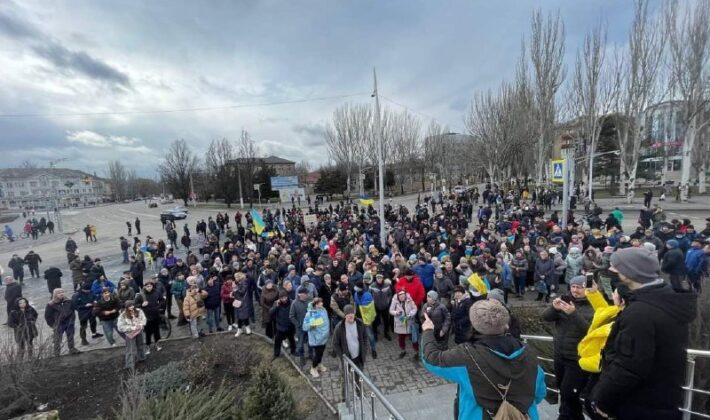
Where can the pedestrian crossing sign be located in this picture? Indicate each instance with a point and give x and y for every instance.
(557, 171)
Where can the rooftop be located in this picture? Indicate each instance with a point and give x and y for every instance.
(270, 160)
(24, 173)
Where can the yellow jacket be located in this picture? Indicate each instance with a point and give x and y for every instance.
(590, 348)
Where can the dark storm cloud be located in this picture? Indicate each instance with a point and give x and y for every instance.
(80, 62)
(63, 59)
(16, 28)
(312, 130)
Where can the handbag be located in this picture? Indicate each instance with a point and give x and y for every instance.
(237, 303)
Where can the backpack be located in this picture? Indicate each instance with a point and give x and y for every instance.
(506, 410)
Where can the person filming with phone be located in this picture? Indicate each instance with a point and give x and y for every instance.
(572, 315)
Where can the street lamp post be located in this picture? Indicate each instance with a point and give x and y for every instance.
(378, 133)
(567, 148)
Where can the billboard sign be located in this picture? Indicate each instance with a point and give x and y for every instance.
(279, 183)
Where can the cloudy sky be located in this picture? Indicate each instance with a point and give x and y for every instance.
(104, 62)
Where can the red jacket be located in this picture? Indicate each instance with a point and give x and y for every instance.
(415, 288)
(226, 292)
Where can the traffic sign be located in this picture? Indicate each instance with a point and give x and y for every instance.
(557, 169)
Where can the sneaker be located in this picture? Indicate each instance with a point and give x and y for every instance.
(248, 330)
(219, 329)
(553, 294)
(314, 372)
(147, 351)
(84, 343)
(239, 332)
(321, 368)
(284, 344)
(402, 354)
(235, 326)
(229, 328)
(374, 354)
(96, 335)
(74, 351)
(158, 348)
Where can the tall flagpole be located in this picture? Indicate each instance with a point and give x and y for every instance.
(378, 133)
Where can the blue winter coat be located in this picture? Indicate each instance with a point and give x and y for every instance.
(317, 325)
(79, 302)
(426, 275)
(97, 286)
(694, 261)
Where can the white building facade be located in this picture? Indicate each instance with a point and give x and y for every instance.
(41, 188)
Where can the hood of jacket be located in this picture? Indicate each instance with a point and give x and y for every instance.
(680, 306)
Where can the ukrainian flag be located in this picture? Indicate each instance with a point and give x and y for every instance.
(365, 201)
(259, 224)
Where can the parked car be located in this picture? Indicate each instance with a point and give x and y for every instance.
(175, 214)
(152, 205)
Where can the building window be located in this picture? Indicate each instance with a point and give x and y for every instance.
(19, 184)
(33, 183)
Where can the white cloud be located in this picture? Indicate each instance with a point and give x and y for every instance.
(91, 138)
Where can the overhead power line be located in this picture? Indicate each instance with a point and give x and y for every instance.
(414, 111)
(169, 111)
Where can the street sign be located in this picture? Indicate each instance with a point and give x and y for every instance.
(284, 182)
(557, 170)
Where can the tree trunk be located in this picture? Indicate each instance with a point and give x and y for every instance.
(686, 164)
(701, 178)
(541, 154)
(622, 178)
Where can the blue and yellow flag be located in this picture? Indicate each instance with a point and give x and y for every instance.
(366, 201)
(258, 222)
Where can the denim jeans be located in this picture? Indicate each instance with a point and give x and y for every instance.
(125, 256)
(109, 326)
(213, 318)
(370, 337)
(197, 325)
(302, 337)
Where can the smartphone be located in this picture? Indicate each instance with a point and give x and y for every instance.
(590, 281)
(566, 298)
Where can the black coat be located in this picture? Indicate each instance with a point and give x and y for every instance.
(54, 278)
(59, 314)
(24, 324)
(569, 329)
(340, 342)
(460, 320)
(279, 315)
(643, 364)
(13, 292)
(673, 262)
(155, 301)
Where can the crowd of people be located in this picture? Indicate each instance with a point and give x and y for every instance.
(621, 301)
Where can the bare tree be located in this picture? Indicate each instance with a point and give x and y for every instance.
(639, 89)
(248, 163)
(403, 145)
(689, 42)
(348, 137)
(221, 168)
(435, 152)
(595, 83)
(118, 178)
(176, 168)
(547, 47)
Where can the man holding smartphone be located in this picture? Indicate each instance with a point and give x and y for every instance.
(572, 315)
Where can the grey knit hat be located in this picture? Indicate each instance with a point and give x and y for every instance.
(496, 294)
(578, 280)
(638, 264)
(432, 294)
(489, 317)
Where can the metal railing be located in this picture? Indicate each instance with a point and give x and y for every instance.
(688, 389)
(360, 402)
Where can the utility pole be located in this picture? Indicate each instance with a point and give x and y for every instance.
(567, 149)
(378, 133)
(239, 180)
(192, 192)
